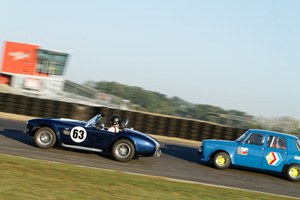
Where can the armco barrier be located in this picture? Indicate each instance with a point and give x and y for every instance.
(145, 122)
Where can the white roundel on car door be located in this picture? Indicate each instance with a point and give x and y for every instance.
(78, 134)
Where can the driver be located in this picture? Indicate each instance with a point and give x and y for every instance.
(115, 122)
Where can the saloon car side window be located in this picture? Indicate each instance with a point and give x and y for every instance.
(256, 139)
(276, 142)
(281, 143)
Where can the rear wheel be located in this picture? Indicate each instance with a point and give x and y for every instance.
(293, 172)
(45, 138)
(221, 160)
(123, 150)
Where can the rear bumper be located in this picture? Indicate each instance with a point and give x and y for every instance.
(29, 129)
(158, 153)
(200, 153)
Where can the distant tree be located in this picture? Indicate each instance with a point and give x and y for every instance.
(280, 124)
(159, 103)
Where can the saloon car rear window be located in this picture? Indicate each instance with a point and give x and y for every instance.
(298, 144)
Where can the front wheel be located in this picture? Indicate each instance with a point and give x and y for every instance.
(45, 138)
(293, 172)
(221, 160)
(123, 150)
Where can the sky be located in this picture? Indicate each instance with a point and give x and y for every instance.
(234, 54)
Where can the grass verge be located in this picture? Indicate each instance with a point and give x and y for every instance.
(36, 179)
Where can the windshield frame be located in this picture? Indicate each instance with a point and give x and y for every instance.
(92, 122)
(242, 137)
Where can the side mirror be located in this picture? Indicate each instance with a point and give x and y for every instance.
(241, 143)
(126, 123)
(102, 127)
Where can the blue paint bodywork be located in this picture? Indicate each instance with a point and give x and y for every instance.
(145, 145)
(257, 156)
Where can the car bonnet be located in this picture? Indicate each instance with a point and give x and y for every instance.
(142, 134)
(222, 142)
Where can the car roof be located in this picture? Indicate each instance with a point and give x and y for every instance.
(273, 133)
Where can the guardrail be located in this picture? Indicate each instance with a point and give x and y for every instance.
(145, 122)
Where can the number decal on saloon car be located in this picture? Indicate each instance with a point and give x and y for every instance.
(78, 134)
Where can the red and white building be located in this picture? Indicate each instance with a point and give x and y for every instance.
(38, 72)
(30, 69)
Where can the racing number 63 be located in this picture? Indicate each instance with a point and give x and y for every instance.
(78, 134)
(75, 134)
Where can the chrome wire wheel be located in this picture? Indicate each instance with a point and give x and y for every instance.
(123, 150)
(45, 138)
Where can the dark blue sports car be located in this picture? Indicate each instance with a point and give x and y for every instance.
(92, 136)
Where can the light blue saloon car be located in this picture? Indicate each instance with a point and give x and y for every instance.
(257, 149)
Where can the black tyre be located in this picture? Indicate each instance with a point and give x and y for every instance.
(123, 150)
(45, 138)
(293, 172)
(221, 160)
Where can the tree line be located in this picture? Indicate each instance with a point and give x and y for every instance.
(155, 102)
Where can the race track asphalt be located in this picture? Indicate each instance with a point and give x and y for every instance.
(179, 161)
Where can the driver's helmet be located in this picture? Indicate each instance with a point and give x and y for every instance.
(262, 139)
(115, 120)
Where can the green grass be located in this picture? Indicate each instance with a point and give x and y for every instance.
(35, 179)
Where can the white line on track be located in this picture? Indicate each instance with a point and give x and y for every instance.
(179, 142)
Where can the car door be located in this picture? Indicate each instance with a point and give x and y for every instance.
(275, 153)
(98, 138)
(250, 151)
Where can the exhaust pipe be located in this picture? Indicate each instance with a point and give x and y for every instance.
(80, 147)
